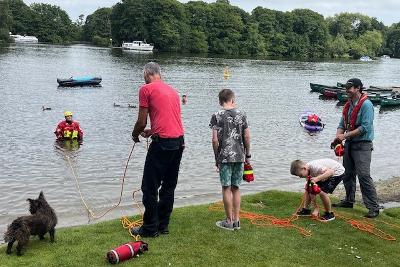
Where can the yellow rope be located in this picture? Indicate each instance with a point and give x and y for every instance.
(91, 214)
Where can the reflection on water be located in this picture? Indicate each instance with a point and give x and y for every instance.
(67, 145)
(273, 94)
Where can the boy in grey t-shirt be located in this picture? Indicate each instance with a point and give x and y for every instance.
(327, 174)
(231, 145)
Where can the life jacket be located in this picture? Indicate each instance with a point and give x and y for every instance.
(68, 130)
(351, 125)
(313, 119)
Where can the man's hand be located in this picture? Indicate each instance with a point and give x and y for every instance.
(135, 138)
(146, 133)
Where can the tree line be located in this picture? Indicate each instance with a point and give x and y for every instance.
(199, 27)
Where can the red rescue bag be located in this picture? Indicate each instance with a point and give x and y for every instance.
(127, 251)
(248, 174)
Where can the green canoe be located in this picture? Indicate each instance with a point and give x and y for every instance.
(386, 102)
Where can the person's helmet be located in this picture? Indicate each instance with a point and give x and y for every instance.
(67, 113)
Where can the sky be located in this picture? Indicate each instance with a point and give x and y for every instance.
(386, 11)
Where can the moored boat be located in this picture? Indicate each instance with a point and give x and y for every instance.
(80, 81)
(390, 101)
(319, 88)
(24, 38)
(138, 46)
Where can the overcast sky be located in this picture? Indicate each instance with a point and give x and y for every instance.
(387, 11)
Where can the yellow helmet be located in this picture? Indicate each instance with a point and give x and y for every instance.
(67, 113)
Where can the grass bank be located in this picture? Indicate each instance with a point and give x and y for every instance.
(194, 240)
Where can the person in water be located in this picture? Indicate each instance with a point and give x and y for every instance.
(184, 99)
(68, 129)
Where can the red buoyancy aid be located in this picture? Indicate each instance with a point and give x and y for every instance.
(313, 118)
(350, 125)
(68, 130)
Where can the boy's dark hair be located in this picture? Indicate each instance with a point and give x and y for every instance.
(296, 166)
(225, 95)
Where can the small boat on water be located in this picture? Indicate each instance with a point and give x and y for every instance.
(390, 101)
(80, 81)
(319, 88)
(138, 46)
(311, 122)
(365, 58)
(24, 38)
(385, 57)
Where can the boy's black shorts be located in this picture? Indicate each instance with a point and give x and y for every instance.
(328, 186)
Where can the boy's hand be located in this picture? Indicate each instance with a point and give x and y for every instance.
(217, 165)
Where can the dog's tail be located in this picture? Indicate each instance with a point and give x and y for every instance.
(17, 230)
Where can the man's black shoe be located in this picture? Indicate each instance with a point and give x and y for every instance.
(139, 231)
(343, 204)
(164, 231)
(372, 214)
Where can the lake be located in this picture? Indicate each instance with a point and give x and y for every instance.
(272, 92)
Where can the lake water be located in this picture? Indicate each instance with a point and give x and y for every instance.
(273, 93)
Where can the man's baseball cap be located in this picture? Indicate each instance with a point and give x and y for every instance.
(354, 82)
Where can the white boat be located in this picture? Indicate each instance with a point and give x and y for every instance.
(24, 38)
(385, 57)
(137, 45)
(365, 58)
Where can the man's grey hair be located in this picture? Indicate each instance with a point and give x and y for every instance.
(152, 68)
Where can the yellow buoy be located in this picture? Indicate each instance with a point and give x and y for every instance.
(226, 73)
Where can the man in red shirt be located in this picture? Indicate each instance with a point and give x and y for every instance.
(68, 129)
(161, 102)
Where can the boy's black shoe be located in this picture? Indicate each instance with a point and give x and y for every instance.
(372, 214)
(139, 231)
(328, 216)
(304, 212)
(343, 204)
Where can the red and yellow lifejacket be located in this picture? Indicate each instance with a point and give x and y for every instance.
(67, 130)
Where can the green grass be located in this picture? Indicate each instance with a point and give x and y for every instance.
(196, 241)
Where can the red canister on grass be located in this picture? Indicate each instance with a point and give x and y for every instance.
(127, 251)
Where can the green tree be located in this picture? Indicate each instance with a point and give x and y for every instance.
(225, 29)
(97, 27)
(5, 21)
(22, 18)
(338, 47)
(312, 26)
(128, 21)
(51, 23)
(393, 41)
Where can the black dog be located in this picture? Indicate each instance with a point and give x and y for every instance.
(42, 220)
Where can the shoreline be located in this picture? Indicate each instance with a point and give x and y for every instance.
(388, 192)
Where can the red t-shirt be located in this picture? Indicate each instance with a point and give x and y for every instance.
(164, 108)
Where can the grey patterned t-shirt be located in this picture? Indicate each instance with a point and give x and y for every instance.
(230, 125)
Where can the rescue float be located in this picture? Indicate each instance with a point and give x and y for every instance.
(311, 121)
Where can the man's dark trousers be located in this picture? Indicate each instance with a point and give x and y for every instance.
(160, 170)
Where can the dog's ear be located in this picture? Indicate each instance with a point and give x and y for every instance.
(30, 200)
(41, 196)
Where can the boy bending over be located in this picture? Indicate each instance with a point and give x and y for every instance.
(327, 174)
